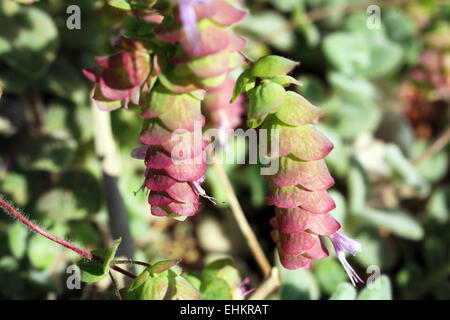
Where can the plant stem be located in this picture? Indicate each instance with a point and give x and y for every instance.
(241, 220)
(43, 232)
(17, 215)
(116, 288)
(139, 263)
(109, 157)
(437, 146)
(268, 286)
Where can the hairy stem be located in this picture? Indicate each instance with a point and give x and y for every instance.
(241, 220)
(17, 215)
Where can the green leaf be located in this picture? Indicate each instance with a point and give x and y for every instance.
(17, 238)
(42, 252)
(157, 288)
(140, 280)
(94, 270)
(265, 24)
(357, 187)
(111, 254)
(297, 284)
(340, 212)
(167, 285)
(264, 99)
(352, 85)
(60, 204)
(285, 5)
(439, 204)
(435, 167)
(222, 269)
(399, 26)
(193, 280)
(351, 114)
(380, 290)
(305, 26)
(329, 274)
(361, 54)
(242, 84)
(90, 270)
(120, 4)
(217, 289)
(46, 152)
(312, 89)
(376, 250)
(272, 66)
(15, 185)
(65, 80)
(405, 171)
(184, 290)
(285, 81)
(162, 266)
(344, 291)
(398, 222)
(74, 197)
(28, 41)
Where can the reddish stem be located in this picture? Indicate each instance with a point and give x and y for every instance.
(140, 263)
(16, 214)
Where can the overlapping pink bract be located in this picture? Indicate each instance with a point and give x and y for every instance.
(220, 112)
(298, 190)
(120, 76)
(190, 56)
(185, 63)
(176, 159)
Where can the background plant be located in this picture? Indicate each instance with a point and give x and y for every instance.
(381, 118)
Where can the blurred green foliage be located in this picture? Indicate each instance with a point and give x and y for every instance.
(399, 211)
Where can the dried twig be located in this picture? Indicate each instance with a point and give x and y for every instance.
(268, 286)
(437, 146)
(241, 220)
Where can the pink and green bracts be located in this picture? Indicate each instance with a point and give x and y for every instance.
(119, 78)
(298, 190)
(168, 74)
(202, 57)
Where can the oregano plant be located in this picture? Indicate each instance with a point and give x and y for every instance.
(179, 68)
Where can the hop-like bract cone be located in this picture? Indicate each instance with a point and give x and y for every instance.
(176, 158)
(220, 112)
(298, 190)
(167, 75)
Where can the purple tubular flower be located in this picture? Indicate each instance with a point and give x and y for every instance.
(342, 243)
(242, 290)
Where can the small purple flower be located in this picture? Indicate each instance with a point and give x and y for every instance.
(342, 243)
(189, 18)
(199, 191)
(139, 153)
(242, 290)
